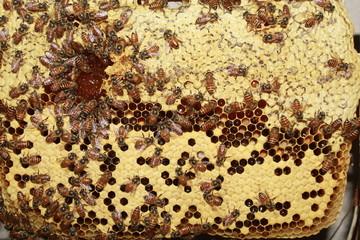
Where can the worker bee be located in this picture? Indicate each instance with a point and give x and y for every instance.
(332, 127)
(41, 22)
(53, 135)
(264, 199)
(2, 134)
(123, 19)
(149, 52)
(121, 133)
(274, 86)
(210, 83)
(158, 5)
(276, 37)
(95, 154)
(36, 6)
(38, 122)
(23, 203)
(18, 144)
(17, 62)
(87, 197)
(103, 180)
(68, 137)
(153, 117)
(88, 108)
(230, 218)
(314, 20)
(164, 132)
(31, 160)
(254, 23)
(156, 159)
(3, 20)
(171, 39)
(325, 4)
(59, 214)
(35, 80)
(67, 220)
(328, 162)
(68, 160)
(315, 122)
(131, 185)
(19, 34)
(285, 16)
(79, 208)
(235, 107)
(286, 124)
(116, 86)
(25, 15)
(210, 124)
(205, 18)
(38, 195)
(337, 64)
(165, 227)
(207, 186)
(182, 121)
(21, 110)
(39, 178)
(133, 92)
(10, 113)
(208, 107)
(135, 218)
(236, 71)
(181, 177)
(154, 200)
(273, 136)
(174, 127)
(15, 92)
(297, 109)
(109, 5)
(47, 198)
(221, 155)
(51, 209)
(173, 96)
(80, 165)
(118, 220)
(212, 199)
(142, 143)
(265, 15)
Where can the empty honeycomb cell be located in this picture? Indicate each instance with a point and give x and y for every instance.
(278, 171)
(254, 209)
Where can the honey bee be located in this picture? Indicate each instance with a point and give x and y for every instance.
(274, 86)
(285, 14)
(41, 22)
(133, 92)
(163, 132)
(80, 165)
(38, 194)
(264, 199)
(332, 127)
(53, 135)
(208, 107)
(286, 124)
(36, 6)
(254, 23)
(210, 83)
(95, 34)
(228, 5)
(328, 162)
(207, 186)
(67, 220)
(19, 34)
(31, 160)
(154, 200)
(266, 16)
(174, 127)
(171, 39)
(153, 117)
(39, 123)
(142, 143)
(118, 220)
(156, 159)
(212, 200)
(276, 37)
(237, 71)
(121, 133)
(325, 4)
(95, 154)
(15, 92)
(131, 185)
(2, 135)
(297, 109)
(149, 52)
(230, 218)
(221, 155)
(316, 19)
(173, 96)
(135, 218)
(10, 113)
(51, 209)
(51, 30)
(18, 144)
(181, 177)
(182, 121)
(69, 160)
(116, 86)
(87, 197)
(39, 178)
(235, 107)
(166, 225)
(60, 212)
(23, 203)
(123, 19)
(274, 136)
(352, 134)
(21, 110)
(3, 20)
(79, 208)
(7, 5)
(337, 64)
(109, 5)
(207, 18)
(17, 62)
(103, 180)
(25, 15)
(210, 124)
(35, 80)
(158, 5)
(68, 137)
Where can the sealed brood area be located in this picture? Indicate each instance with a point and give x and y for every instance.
(155, 146)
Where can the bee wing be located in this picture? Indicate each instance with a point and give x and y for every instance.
(96, 144)
(103, 122)
(142, 148)
(87, 187)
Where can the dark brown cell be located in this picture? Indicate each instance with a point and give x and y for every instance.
(17, 177)
(209, 133)
(239, 170)
(247, 223)
(278, 171)
(276, 158)
(287, 205)
(251, 161)
(231, 171)
(191, 142)
(298, 162)
(283, 212)
(107, 201)
(262, 208)
(314, 207)
(239, 224)
(321, 193)
(287, 170)
(176, 208)
(313, 194)
(262, 103)
(165, 175)
(244, 142)
(305, 195)
(248, 202)
(319, 179)
(188, 214)
(187, 189)
(234, 163)
(140, 161)
(168, 182)
(254, 209)
(264, 118)
(236, 143)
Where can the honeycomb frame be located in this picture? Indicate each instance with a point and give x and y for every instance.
(154, 145)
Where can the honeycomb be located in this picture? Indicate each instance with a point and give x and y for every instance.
(134, 120)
